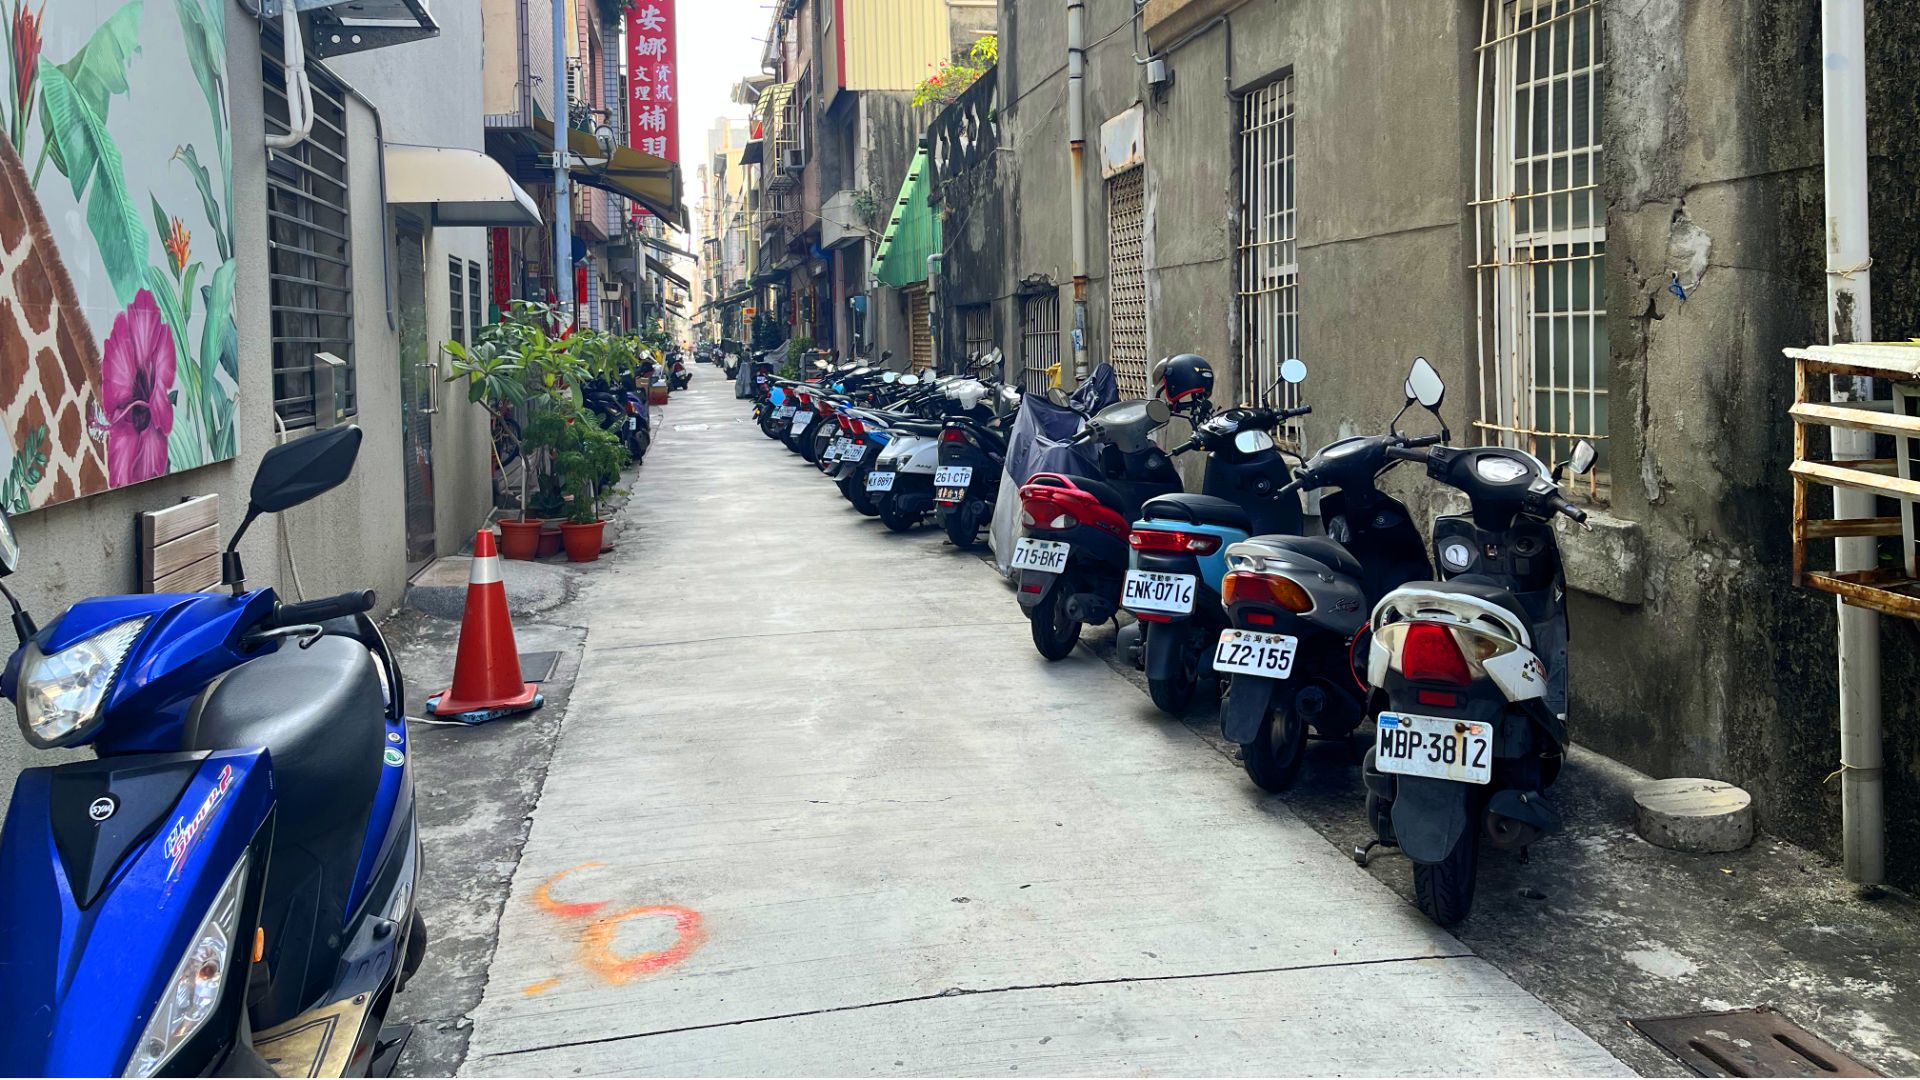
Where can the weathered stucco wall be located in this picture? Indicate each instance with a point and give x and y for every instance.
(1704, 659)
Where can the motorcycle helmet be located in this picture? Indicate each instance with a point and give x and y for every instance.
(1185, 381)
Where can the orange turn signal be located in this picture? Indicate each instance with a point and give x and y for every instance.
(1243, 586)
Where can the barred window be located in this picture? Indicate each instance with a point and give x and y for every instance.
(309, 243)
(1268, 297)
(457, 299)
(1040, 340)
(476, 301)
(976, 327)
(1541, 228)
(1127, 282)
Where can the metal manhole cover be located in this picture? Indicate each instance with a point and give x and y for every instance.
(1748, 1042)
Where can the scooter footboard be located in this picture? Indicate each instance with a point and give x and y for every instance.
(1430, 815)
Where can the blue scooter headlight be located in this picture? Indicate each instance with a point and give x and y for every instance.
(59, 696)
(194, 992)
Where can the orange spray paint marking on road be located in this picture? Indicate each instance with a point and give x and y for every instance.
(541, 987)
(543, 896)
(603, 961)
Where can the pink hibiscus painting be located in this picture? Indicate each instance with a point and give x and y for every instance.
(136, 379)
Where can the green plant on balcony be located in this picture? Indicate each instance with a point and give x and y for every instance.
(954, 76)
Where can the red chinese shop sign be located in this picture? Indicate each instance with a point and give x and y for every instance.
(653, 80)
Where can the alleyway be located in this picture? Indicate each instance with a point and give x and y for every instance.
(818, 808)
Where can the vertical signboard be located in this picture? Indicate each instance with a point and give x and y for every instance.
(653, 80)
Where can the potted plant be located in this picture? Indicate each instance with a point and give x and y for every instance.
(588, 462)
(514, 367)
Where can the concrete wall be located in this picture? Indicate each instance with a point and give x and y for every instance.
(1692, 652)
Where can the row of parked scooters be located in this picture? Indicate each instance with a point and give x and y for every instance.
(1457, 664)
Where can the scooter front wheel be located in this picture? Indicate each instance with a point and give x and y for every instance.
(1273, 758)
(1444, 890)
(1055, 633)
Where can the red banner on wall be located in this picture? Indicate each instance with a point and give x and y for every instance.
(502, 269)
(653, 80)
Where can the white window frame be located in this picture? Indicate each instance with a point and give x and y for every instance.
(1267, 293)
(1525, 230)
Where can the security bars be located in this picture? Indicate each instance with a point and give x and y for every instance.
(310, 248)
(1540, 228)
(1127, 282)
(1268, 293)
(1040, 340)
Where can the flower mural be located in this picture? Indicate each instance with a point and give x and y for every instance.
(119, 358)
(136, 388)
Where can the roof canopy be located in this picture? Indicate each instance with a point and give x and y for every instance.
(913, 231)
(464, 187)
(652, 182)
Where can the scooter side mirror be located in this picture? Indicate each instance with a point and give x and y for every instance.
(1584, 455)
(9, 547)
(1158, 411)
(306, 468)
(1293, 372)
(1425, 385)
(1058, 397)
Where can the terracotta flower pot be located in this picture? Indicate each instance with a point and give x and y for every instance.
(583, 541)
(520, 539)
(549, 539)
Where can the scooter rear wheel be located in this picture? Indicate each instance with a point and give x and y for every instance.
(963, 526)
(1172, 695)
(1274, 757)
(855, 489)
(1054, 632)
(897, 519)
(1444, 890)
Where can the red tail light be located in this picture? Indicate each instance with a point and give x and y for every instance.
(1429, 654)
(953, 434)
(855, 427)
(1173, 541)
(1243, 586)
(806, 401)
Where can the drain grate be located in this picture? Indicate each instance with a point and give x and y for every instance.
(1748, 1042)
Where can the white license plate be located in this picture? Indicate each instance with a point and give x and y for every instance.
(1434, 746)
(1254, 653)
(1046, 556)
(800, 421)
(1147, 590)
(633, 423)
(835, 450)
(953, 476)
(879, 481)
(783, 412)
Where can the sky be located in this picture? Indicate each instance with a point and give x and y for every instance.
(719, 44)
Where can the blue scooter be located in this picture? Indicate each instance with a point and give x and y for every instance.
(229, 887)
(1178, 562)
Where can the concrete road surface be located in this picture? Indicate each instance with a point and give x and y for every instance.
(818, 807)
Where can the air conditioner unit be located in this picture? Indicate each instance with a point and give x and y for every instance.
(793, 160)
(575, 73)
(612, 291)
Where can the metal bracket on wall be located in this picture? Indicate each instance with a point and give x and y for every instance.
(340, 27)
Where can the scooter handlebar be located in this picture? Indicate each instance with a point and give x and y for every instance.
(319, 611)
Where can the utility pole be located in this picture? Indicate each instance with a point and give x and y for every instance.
(1850, 319)
(562, 196)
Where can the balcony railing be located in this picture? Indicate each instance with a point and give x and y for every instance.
(962, 139)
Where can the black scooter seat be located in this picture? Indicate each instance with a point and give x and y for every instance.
(1198, 510)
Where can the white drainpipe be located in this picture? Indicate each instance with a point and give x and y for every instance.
(1077, 189)
(1850, 318)
(299, 88)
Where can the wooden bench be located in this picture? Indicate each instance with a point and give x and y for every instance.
(180, 547)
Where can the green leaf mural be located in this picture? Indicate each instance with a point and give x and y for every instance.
(94, 74)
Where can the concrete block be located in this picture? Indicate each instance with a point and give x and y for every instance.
(1610, 561)
(1690, 814)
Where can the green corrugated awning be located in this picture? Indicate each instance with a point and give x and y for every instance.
(912, 233)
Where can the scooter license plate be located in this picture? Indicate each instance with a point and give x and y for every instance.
(949, 495)
(879, 481)
(633, 423)
(1045, 556)
(1251, 652)
(800, 421)
(1170, 594)
(834, 450)
(1436, 747)
(783, 412)
(953, 476)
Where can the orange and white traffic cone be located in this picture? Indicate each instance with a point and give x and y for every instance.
(486, 670)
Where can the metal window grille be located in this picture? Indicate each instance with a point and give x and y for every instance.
(1541, 227)
(457, 299)
(476, 301)
(1268, 298)
(976, 327)
(1127, 281)
(919, 336)
(1040, 340)
(309, 243)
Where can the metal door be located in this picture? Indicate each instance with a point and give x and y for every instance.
(419, 378)
(1127, 281)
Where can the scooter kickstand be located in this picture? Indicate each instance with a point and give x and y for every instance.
(1362, 855)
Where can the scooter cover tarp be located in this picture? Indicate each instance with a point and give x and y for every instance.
(1039, 444)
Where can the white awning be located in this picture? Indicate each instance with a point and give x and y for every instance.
(465, 188)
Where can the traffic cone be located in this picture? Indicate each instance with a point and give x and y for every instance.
(486, 671)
